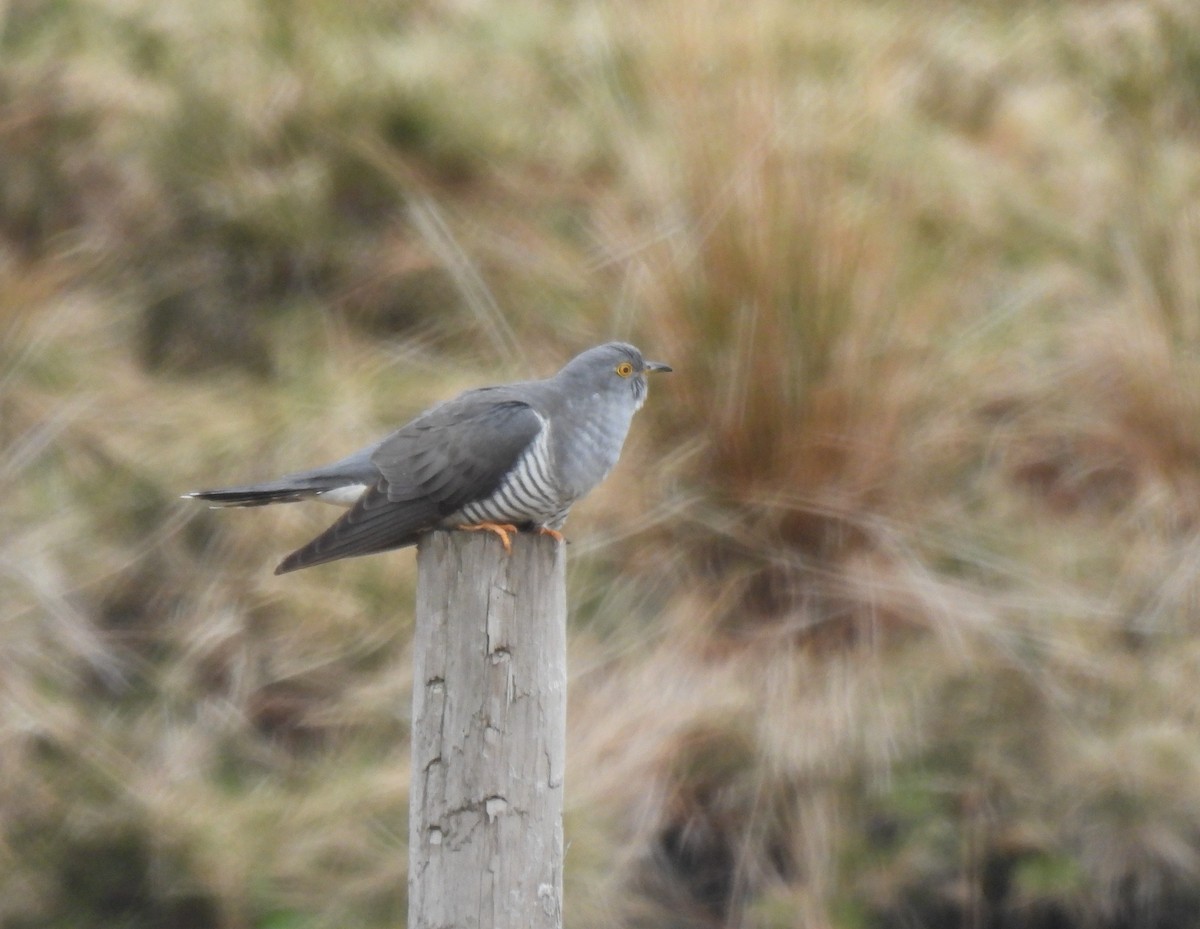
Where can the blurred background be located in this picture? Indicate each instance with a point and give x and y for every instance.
(889, 616)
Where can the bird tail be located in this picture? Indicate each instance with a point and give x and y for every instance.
(250, 495)
(281, 491)
(341, 483)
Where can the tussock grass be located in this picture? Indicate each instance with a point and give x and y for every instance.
(774, 262)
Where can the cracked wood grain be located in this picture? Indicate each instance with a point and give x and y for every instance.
(489, 731)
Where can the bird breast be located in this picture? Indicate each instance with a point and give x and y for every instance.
(588, 444)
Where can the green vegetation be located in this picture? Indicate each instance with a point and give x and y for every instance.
(890, 616)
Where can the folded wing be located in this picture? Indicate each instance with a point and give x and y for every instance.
(427, 471)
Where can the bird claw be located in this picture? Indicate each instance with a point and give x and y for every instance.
(553, 533)
(500, 529)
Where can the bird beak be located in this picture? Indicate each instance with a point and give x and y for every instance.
(652, 366)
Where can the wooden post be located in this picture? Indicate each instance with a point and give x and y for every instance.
(489, 731)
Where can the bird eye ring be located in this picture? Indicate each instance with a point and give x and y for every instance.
(624, 369)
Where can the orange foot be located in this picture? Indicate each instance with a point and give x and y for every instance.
(553, 533)
(501, 529)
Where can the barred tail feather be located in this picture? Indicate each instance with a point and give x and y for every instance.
(338, 491)
(258, 495)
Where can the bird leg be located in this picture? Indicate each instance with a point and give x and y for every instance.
(553, 533)
(501, 529)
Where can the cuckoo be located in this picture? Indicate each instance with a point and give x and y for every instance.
(501, 459)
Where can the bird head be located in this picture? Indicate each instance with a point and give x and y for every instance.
(614, 369)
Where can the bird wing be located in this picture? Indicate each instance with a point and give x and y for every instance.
(460, 451)
(457, 452)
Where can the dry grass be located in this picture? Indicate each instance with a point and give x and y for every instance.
(889, 618)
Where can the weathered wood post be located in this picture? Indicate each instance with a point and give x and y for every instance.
(489, 731)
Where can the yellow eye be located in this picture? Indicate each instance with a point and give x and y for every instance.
(624, 369)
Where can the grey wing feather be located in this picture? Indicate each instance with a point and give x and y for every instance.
(431, 468)
(373, 524)
(460, 451)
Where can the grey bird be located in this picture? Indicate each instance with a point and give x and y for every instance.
(501, 459)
